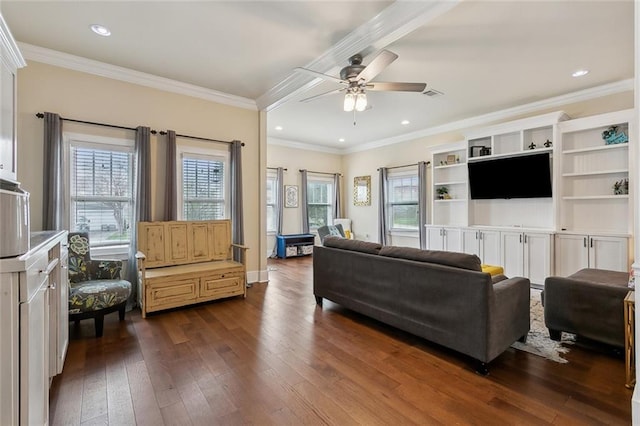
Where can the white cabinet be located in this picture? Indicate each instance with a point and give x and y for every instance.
(443, 238)
(589, 169)
(58, 309)
(483, 243)
(576, 251)
(27, 341)
(10, 61)
(527, 254)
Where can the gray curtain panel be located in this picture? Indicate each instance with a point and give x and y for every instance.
(337, 205)
(142, 204)
(382, 207)
(422, 203)
(171, 190)
(303, 202)
(53, 197)
(237, 215)
(279, 207)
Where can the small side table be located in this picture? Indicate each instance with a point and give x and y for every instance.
(629, 338)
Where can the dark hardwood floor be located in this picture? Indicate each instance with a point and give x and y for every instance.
(277, 358)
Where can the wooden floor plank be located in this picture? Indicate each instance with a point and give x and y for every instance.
(278, 358)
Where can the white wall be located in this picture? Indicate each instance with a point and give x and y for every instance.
(294, 159)
(83, 96)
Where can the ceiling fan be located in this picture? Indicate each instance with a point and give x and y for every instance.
(356, 80)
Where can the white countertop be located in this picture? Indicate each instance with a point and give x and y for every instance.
(42, 240)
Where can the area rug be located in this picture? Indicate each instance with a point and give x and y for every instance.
(538, 341)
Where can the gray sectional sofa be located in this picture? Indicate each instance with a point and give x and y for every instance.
(443, 297)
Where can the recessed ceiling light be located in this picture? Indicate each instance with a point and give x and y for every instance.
(100, 30)
(580, 73)
(278, 128)
(341, 140)
(404, 122)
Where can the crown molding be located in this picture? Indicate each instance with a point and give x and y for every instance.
(394, 22)
(503, 115)
(304, 146)
(78, 63)
(12, 51)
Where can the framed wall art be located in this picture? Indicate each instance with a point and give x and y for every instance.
(291, 195)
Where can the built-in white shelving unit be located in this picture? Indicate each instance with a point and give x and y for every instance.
(449, 170)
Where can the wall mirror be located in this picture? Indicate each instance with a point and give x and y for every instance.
(362, 191)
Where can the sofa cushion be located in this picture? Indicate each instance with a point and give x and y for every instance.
(353, 245)
(447, 258)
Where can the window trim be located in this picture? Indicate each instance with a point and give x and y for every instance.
(413, 172)
(322, 179)
(271, 175)
(192, 150)
(87, 140)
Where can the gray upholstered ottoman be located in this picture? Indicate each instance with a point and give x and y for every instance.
(588, 303)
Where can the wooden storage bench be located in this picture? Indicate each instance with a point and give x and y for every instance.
(185, 262)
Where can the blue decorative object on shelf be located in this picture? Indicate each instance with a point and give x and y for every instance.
(611, 136)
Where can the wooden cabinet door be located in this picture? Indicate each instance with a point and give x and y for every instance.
(176, 243)
(490, 247)
(452, 237)
(34, 358)
(200, 249)
(470, 242)
(435, 240)
(609, 253)
(571, 254)
(537, 257)
(151, 242)
(220, 232)
(511, 248)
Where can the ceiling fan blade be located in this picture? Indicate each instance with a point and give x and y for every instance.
(320, 75)
(396, 87)
(321, 95)
(380, 62)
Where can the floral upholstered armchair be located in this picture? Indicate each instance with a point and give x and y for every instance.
(95, 287)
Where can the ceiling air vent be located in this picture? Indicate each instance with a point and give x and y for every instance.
(432, 93)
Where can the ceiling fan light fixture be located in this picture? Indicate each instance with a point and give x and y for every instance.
(349, 102)
(361, 102)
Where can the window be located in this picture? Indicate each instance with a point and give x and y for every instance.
(320, 202)
(202, 171)
(100, 182)
(403, 202)
(272, 199)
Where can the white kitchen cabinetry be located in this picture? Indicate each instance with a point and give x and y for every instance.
(10, 61)
(483, 243)
(527, 254)
(443, 238)
(576, 251)
(27, 342)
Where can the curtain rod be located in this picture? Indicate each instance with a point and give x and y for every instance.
(319, 173)
(162, 132)
(276, 168)
(41, 115)
(399, 167)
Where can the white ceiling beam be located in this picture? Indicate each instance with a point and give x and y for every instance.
(393, 23)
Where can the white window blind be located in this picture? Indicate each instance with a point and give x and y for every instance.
(203, 195)
(101, 188)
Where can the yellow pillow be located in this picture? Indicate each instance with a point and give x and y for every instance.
(492, 269)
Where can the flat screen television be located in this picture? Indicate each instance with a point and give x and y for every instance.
(523, 176)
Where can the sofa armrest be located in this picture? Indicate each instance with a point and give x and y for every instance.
(509, 314)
